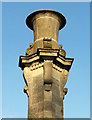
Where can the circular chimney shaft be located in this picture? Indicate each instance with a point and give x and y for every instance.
(46, 24)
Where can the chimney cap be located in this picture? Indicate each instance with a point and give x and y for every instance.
(29, 19)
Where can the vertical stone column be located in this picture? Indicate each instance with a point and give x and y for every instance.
(45, 68)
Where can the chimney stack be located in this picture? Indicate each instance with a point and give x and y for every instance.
(45, 68)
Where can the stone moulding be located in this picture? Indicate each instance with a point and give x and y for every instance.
(45, 54)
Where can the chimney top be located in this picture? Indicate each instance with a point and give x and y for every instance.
(31, 17)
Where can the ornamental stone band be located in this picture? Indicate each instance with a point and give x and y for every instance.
(45, 67)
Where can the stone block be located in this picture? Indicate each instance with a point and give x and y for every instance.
(47, 105)
(47, 87)
(47, 114)
(48, 95)
(56, 110)
(38, 97)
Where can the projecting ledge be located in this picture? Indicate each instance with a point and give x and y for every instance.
(42, 54)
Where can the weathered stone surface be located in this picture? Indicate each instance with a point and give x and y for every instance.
(47, 71)
(45, 68)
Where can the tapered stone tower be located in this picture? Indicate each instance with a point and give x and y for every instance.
(45, 68)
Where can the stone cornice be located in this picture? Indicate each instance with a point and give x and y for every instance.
(27, 60)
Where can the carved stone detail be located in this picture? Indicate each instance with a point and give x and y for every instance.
(29, 50)
(65, 90)
(47, 71)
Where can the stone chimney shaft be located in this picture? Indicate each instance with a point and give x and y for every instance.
(45, 67)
